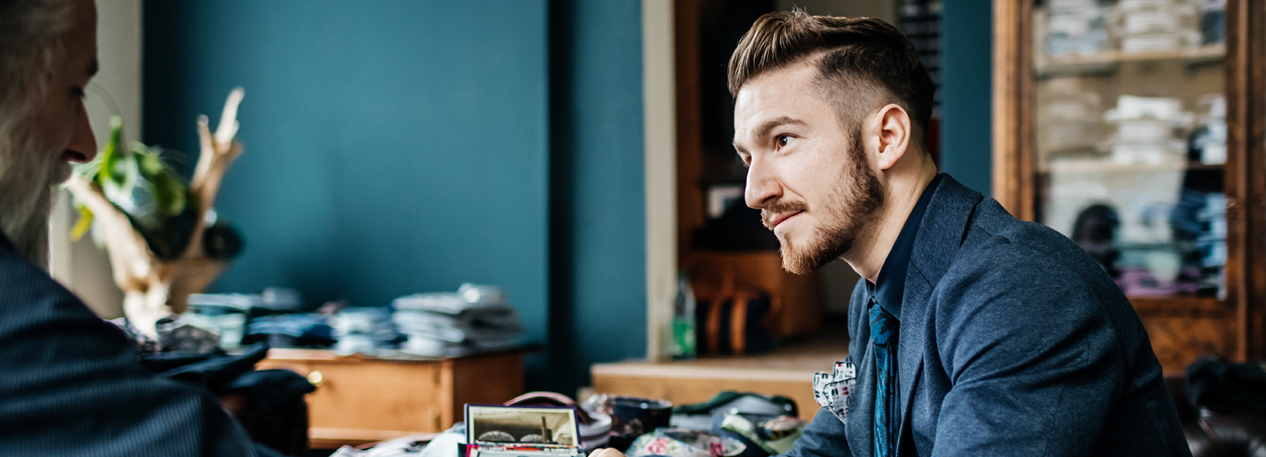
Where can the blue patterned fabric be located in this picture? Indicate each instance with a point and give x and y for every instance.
(883, 333)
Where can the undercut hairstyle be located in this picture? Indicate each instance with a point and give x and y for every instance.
(863, 63)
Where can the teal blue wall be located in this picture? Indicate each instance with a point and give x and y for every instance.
(598, 224)
(966, 75)
(401, 146)
(392, 147)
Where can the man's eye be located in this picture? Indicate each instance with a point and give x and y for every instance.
(782, 140)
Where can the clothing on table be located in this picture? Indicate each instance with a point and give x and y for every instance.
(1013, 341)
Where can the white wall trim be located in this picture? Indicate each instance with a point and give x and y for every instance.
(81, 266)
(659, 108)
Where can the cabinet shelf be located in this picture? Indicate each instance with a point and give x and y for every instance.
(1044, 172)
(1180, 306)
(1107, 61)
(1107, 166)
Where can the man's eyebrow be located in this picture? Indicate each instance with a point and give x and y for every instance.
(764, 129)
(92, 68)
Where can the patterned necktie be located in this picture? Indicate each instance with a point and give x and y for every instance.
(883, 335)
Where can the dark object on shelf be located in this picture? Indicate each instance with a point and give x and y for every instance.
(1095, 230)
(1217, 434)
(738, 229)
(721, 26)
(1213, 22)
(167, 236)
(733, 319)
(1222, 386)
(221, 241)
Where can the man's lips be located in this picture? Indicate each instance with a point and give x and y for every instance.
(778, 219)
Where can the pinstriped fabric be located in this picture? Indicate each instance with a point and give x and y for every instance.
(70, 384)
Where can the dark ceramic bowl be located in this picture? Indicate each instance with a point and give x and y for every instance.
(633, 416)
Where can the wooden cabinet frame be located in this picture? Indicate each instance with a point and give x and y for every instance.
(1242, 315)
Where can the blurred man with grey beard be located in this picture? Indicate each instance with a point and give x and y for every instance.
(70, 383)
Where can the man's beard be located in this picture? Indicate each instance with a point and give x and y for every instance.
(847, 207)
(30, 171)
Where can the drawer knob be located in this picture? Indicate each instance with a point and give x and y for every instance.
(316, 379)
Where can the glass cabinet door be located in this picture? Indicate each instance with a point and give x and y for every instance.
(1130, 138)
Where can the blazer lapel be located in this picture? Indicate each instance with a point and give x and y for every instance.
(938, 239)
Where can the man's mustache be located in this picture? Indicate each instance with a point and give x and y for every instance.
(780, 207)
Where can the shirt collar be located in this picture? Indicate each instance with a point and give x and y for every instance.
(890, 285)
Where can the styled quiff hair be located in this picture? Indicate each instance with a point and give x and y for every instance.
(863, 63)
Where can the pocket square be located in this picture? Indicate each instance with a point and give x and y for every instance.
(831, 390)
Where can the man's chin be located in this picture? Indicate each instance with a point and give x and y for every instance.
(61, 174)
(804, 259)
(795, 261)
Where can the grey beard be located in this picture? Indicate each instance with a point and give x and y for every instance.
(29, 174)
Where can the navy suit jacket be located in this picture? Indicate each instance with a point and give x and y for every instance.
(1013, 342)
(71, 384)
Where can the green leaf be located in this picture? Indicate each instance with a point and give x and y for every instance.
(169, 194)
(112, 153)
(151, 165)
(83, 225)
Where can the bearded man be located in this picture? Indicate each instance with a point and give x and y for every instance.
(70, 383)
(971, 332)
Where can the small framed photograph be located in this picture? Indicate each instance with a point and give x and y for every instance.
(522, 427)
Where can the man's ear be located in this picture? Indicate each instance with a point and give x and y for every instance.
(894, 132)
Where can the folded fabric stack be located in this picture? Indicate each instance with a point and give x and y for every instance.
(291, 331)
(364, 330)
(474, 318)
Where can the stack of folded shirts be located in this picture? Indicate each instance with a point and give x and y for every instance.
(474, 318)
(364, 331)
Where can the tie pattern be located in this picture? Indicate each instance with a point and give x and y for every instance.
(883, 336)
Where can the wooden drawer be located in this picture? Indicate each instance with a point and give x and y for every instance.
(361, 400)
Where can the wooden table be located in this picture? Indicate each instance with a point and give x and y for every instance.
(362, 399)
(788, 371)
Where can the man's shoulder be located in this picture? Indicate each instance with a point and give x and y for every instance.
(28, 295)
(1016, 268)
(1016, 251)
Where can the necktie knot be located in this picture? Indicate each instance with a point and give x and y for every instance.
(883, 325)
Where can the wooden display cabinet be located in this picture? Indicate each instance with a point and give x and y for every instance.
(1067, 136)
(705, 155)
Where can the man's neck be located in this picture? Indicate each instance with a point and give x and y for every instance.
(901, 194)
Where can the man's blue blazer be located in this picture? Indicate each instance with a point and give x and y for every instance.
(1013, 342)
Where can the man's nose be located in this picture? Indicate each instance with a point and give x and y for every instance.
(83, 145)
(762, 188)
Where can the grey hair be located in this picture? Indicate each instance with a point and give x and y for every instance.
(30, 36)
